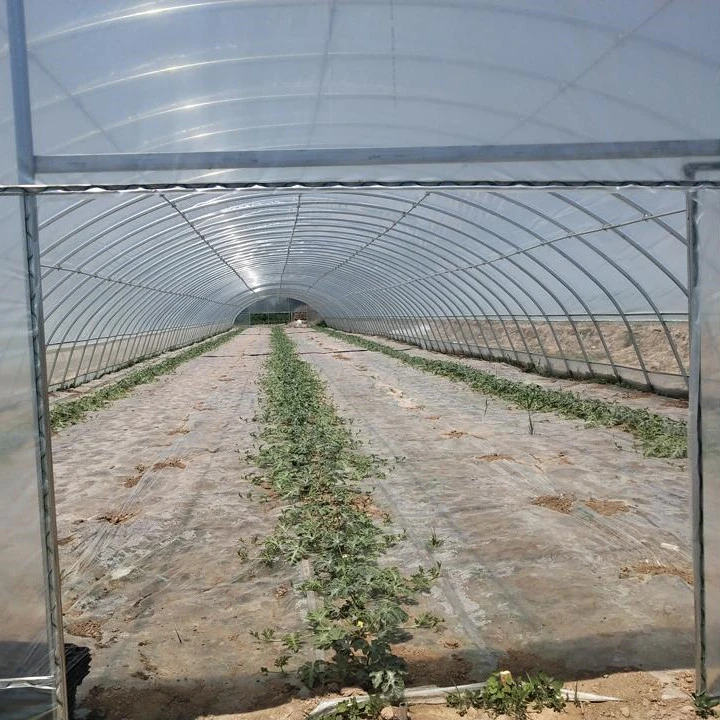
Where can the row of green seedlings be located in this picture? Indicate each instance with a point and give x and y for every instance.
(505, 695)
(502, 695)
(658, 436)
(71, 412)
(311, 459)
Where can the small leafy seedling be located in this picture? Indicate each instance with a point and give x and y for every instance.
(503, 695)
(435, 540)
(292, 641)
(353, 710)
(705, 704)
(281, 662)
(427, 620)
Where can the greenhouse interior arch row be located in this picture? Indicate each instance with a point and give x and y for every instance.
(538, 278)
(530, 192)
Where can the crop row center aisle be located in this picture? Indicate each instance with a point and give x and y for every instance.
(562, 547)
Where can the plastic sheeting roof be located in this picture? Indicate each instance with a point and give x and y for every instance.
(301, 92)
(281, 75)
(375, 93)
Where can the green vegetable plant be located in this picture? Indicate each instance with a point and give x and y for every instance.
(435, 540)
(705, 704)
(503, 695)
(658, 436)
(312, 462)
(351, 709)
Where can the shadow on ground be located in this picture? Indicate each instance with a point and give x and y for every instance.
(575, 659)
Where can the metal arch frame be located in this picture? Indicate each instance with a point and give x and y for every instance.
(106, 300)
(172, 314)
(490, 232)
(85, 225)
(524, 271)
(385, 230)
(459, 300)
(115, 280)
(162, 220)
(28, 164)
(544, 242)
(259, 212)
(568, 258)
(477, 240)
(347, 234)
(104, 297)
(168, 305)
(615, 229)
(235, 225)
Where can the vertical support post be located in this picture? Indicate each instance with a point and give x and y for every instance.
(44, 461)
(695, 443)
(22, 114)
(704, 427)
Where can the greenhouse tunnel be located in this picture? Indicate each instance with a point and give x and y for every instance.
(533, 184)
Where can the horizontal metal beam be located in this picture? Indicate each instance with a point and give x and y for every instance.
(335, 157)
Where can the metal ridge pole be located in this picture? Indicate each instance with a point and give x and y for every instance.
(334, 157)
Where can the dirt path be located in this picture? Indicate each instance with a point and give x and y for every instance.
(152, 503)
(564, 548)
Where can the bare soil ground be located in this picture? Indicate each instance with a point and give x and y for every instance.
(160, 528)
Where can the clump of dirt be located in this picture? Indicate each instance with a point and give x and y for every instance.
(116, 518)
(340, 356)
(648, 568)
(169, 463)
(364, 503)
(455, 434)
(559, 503)
(65, 540)
(85, 628)
(133, 480)
(607, 507)
(432, 417)
(494, 457)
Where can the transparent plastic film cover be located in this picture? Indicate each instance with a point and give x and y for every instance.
(380, 90)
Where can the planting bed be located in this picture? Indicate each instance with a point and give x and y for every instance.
(563, 550)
